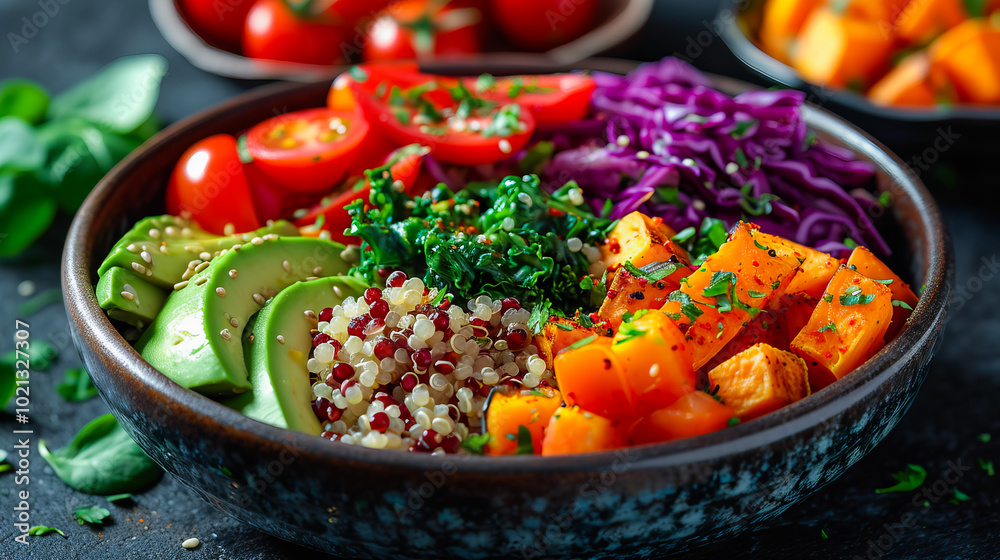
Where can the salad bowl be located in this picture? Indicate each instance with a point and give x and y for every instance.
(355, 502)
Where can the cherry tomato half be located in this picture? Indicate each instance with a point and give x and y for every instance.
(369, 76)
(348, 12)
(543, 24)
(551, 98)
(210, 184)
(484, 136)
(219, 22)
(274, 32)
(307, 151)
(405, 164)
(424, 29)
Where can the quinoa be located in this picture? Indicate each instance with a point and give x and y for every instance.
(392, 370)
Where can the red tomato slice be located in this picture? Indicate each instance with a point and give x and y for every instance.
(210, 184)
(551, 98)
(307, 151)
(374, 77)
(485, 137)
(405, 164)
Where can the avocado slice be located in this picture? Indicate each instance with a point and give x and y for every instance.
(281, 393)
(129, 298)
(196, 338)
(164, 248)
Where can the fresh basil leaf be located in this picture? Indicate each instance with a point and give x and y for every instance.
(102, 459)
(92, 514)
(21, 149)
(828, 298)
(119, 98)
(475, 443)
(684, 235)
(524, 443)
(76, 386)
(23, 99)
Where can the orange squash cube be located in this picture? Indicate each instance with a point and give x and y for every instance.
(593, 377)
(558, 333)
(865, 262)
(692, 415)
(642, 240)
(574, 430)
(759, 380)
(908, 83)
(814, 272)
(840, 51)
(967, 59)
(507, 413)
(629, 293)
(922, 20)
(656, 359)
(781, 21)
(846, 328)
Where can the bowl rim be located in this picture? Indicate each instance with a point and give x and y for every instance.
(185, 40)
(928, 316)
(766, 66)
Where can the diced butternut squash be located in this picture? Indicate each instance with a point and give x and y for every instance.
(846, 328)
(692, 415)
(922, 20)
(759, 380)
(882, 12)
(710, 321)
(814, 272)
(629, 293)
(865, 262)
(967, 58)
(508, 412)
(839, 51)
(642, 240)
(656, 359)
(908, 83)
(574, 430)
(781, 22)
(592, 377)
(560, 332)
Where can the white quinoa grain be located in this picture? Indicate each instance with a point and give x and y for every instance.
(191, 543)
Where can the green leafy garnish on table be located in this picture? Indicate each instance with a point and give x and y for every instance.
(511, 240)
(957, 497)
(91, 514)
(102, 459)
(41, 356)
(53, 150)
(76, 386)
(43, 530)
(4, 465)
(986, 466)
(907, 479)
(119, 497)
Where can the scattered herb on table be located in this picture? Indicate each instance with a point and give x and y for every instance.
(985, 438)
(4, 465)
(41, 355)
(822, 533)
(76, 386)
(986, 466)
(119, 497)
(92, 514)
(957, 497)
(907, 479)
(8, 384)
(102, 459)
(37, 303)
(54, 150)
(43, 530)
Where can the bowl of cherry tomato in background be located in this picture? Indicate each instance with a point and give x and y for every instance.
(859, 63)
(303, 40)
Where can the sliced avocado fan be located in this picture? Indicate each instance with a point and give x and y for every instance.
(196, 339)
(278, 351)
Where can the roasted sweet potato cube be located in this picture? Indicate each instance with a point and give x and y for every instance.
(908, 83)
(741, 269)
(865, 262)
(837, 50)
(630, 292)
(508, 412)
(846, 328)
(593, 377)
(781, 22)
(922, 20)
(967, 58)
(560, 332)
(574, 430)
(656, 359)
(641, 240)
(692, 415)
(759, 380)
(815, 270)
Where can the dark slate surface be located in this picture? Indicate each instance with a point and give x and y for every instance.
(940, 432)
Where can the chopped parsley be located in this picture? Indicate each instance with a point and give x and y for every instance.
(43, 530)
(828, 327)
(524, 443)
(475, 443)
(688, 307)
(93, 514)
(828, 298)
(854, 296)
(563, 326)
(733, 421)
(505, 123)
(958, 496)
(900, 303)
(907, 479)
(582, 342)
(653, 272)
(986, 466)
(629, 332)
(756, 294)
(628, 316)
(985, 438)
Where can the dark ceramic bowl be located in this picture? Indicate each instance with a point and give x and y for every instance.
(357, 502)
(909, 129)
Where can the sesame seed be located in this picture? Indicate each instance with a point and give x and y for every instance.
(338, 291)
(154, 233)
(698, 204)
(574, 244)
(164, 249)
(146, 257)
(525, 199)
(325, 235)
(201, 281)
(642, 154)
(205, 256)
(575, 197)
(233, 273)
(191, 543)
(128, 296)
(187, 274)
(138, 268)
(259, 299)
(688, 162)
(171, 231)
(271, 237)
(309, 313)
(225, 334)
(200, 267)
(622, 140)
(318, 270)
(309, 278)
(180, 285)
(280, 339)
(229, 229)
(732, 167)
(398, 186)
(505, 146)
(654, 370)
(131, 248)
(287, 266)
(256, 241)
(234, 322)
(236, 247)
(26, 288)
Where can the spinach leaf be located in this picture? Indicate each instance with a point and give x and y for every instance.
(119, 98)
(102, 459)
(23, 99)
(76, 386)
(91, 514)
(20, 147)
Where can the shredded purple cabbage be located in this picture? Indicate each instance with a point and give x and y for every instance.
(664, 142)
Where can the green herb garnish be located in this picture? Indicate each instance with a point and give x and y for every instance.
(43, 530)
(92, 514)
(986, 466)
(76, 386)
(629, 332)
(524, 443)
(582, 342)
(900, 303)
(475, 443)
(907, 479)
(828, 327)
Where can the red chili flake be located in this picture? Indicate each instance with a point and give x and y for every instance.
(556, 213)
(614, 247)
(755, 263)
